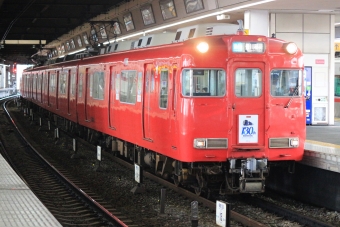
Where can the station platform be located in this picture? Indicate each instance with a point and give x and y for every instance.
(322, 147)
(315, 179)
(18, 204)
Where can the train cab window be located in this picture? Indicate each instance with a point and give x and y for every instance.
(163, 99)
(248, 82)
(285, 82)
(128, 86)
(97, 85)
(203, 82)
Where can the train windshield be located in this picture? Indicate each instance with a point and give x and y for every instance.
(286, 82)
(248, 82)
(203, 82)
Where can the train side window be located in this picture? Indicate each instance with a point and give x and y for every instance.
(128, 86)
(163, 94)
(80, 85)
(248, 82)
(34, 83)
(73, 84)
(62, 82)
(285, 82)
(52, 82)
(204, 82)
(97, 85)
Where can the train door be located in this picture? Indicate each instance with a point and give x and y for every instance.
(49, 89)
(113, 92)
(68, 91)
(45, 88)
(57, 90)
(148, 93)
(248, 105)
(72, 92)
(34, 96)
(173, 102)
(41, 81)
(87, 93)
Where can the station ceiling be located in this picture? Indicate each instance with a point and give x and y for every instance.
(48, 20)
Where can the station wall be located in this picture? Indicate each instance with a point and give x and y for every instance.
(314, 34)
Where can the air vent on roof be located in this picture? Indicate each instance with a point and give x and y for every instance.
(149, 41)
(191, 33)
(140, 42)
(209, 30)
(132, 45)
(178, 35)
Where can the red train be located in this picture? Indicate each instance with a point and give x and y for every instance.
(209, 112)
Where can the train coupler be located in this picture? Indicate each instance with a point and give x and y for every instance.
(252, 185)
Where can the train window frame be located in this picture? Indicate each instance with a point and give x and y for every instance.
(164, 88)
(286, 85)
(97, 85)
(212, 80)
(256, 89)
(131, 89)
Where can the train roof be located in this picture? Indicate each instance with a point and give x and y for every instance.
(149, 40)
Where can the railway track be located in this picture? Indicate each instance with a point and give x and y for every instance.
(295, 218)
(65, 200)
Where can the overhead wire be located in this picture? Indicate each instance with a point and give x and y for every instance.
(15, 19)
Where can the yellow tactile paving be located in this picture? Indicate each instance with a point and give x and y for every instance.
(323, 144)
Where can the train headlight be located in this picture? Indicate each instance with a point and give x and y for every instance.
(200, 143)
(294, 142)
(291, 48)
(211, 143)
(202, 47)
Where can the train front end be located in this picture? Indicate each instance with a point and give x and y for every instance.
(241, 118)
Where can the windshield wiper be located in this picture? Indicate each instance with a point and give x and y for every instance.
(291, 99)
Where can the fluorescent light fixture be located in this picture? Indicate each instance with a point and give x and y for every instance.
(223, 17)
(29, 42)
(192, 19)
(337, 24)
(76, 51)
